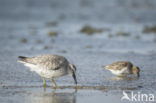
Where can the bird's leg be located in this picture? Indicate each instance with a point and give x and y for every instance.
(44, 82)
(52, 79)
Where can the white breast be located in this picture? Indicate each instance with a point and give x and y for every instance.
(120, 72)
(44, 72)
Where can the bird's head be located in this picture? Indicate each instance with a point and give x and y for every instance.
(72, 67)
(136, 70)
(73, 70)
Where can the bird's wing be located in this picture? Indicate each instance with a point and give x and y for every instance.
(118, 65)
(52, 62)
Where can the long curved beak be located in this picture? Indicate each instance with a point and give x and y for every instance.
(74, 77)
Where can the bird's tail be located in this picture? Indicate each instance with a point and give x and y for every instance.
(105, 67)
(22, 59)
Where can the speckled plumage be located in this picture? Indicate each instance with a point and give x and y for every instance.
(50, 62)
(119, 65)
(122, 68)
(49, 66)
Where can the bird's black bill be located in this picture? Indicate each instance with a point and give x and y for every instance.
(74, 77)
(138, 74)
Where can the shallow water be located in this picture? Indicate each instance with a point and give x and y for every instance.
(24, 31)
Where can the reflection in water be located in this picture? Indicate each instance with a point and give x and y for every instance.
(76, 88)
(123, 78)
(52, 97)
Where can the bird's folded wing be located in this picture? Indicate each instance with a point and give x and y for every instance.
(118, 65)
(51, 63)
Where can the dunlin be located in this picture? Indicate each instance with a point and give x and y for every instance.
(121, 68)
(49, 66)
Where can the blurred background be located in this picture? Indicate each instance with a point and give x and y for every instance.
(89, 33)
(36, 24)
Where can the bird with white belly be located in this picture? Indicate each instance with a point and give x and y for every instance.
(49, 66)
